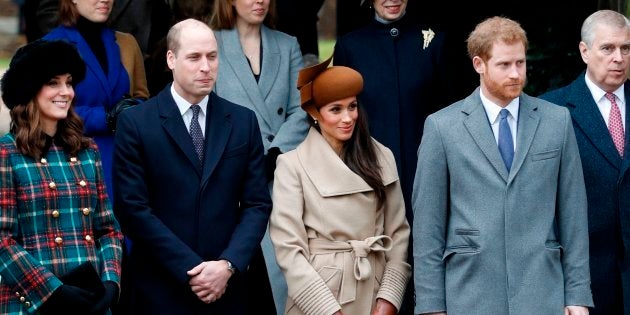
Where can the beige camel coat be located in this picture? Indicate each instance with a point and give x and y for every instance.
(336, 250)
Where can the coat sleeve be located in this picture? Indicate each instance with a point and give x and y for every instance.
(255, 204)
(430, 208)
(397, 270)
(295, 126)
(572, 222)
(19, 270)
(305, 286)
(106, 228)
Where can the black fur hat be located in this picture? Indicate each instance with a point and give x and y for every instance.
(34, 64)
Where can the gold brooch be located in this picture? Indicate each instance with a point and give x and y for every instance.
(428, 37)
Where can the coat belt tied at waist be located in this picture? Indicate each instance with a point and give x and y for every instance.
(355, 260)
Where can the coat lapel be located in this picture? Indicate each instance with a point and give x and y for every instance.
(527, 124)
(174, 126)
(270, 62)
(326, 170)
(480, 130)
(90, 60)
(587, 116)
(218, 129)
(626, 155)
(240, 67)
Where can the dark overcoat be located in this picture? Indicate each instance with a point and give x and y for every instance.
(404, 82)
(608, 193)
(178, 213)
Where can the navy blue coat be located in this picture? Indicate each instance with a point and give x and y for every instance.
(179, 214)
(403, 84)
(608, 192)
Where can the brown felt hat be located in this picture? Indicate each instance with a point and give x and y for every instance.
(320, 85)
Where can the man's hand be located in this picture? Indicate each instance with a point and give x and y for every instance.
(208, 280)
(575, 310)
(384, 307)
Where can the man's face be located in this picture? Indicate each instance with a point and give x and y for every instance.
(503, 75)
(195, 63)
(608, 58)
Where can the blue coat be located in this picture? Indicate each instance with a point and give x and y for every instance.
(608, 193)
(179, 214)
(275, 98)
(99, 91)
(403, 84)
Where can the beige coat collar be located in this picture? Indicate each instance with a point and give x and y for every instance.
(330, 175)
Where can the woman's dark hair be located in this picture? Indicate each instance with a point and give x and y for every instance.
(68, 13)
(224, 15)
(359, 154)
(30, 138)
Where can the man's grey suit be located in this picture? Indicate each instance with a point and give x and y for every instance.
(491, 242)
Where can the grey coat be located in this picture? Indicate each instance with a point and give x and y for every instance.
(491, 242)
(275, 98)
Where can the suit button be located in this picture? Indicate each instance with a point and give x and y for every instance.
(22, 299)
(17, 294)
(88, 238)
(43, 161)
(58, 240)
(73, 159)
(82, 183)
(280, 111)
(86, 211)
(55, 213)
(27, 304)
(270, 138)
(52, 185)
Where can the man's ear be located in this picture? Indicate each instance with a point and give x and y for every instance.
(170, 59)
(479, 65)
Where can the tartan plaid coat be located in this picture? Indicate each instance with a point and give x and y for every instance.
(54, 215)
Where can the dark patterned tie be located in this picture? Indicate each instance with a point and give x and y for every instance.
(195, 132)
(506, 145)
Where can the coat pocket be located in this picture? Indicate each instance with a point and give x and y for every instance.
(459, 250)
(332, 276)
(545, 155)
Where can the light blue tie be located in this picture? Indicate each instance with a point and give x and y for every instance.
(506, 145)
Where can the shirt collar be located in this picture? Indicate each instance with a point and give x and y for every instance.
(492, 109)
(598, 93)
(183, 105)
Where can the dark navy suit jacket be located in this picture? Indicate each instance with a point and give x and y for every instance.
(178, 213)
(608, 192)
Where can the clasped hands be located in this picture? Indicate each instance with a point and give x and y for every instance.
(208, 280)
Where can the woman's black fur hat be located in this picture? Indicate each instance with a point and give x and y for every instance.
(34, 64)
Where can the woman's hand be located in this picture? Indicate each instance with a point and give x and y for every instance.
(384, 307)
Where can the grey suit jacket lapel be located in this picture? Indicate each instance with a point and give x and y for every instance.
(527, 124)
(270, 63)
(479, 128)
(240, 66)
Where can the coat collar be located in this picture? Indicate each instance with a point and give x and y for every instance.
(587, 116)
(479, 129)
(218, 129)
(330, 175)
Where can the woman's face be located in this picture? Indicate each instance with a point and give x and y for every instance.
(96, 11)
(390, 10)
(251, 11)
(337, 121)
(54, 99)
